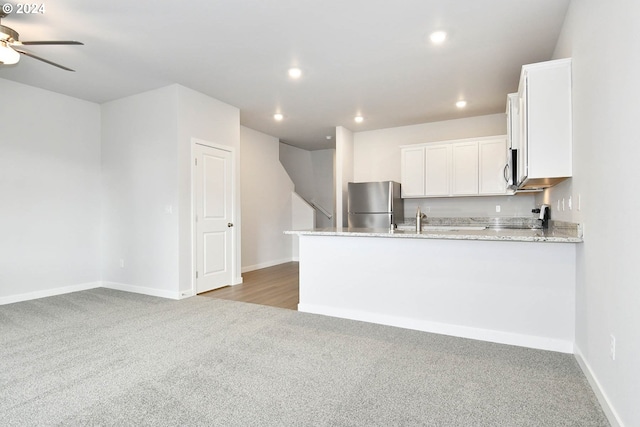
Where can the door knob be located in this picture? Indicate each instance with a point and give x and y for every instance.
(230, 224)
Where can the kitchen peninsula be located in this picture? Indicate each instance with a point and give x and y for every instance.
(511, 286)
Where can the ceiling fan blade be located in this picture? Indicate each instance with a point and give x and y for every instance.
(51, 42)
(24, 52)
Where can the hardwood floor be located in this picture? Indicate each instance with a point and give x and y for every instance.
(276, 286)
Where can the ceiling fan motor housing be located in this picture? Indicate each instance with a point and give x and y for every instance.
(8, 34)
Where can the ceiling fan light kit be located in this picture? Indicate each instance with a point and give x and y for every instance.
(10, 39)
(8, 56)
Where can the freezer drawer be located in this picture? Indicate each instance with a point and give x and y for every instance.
(375, 220)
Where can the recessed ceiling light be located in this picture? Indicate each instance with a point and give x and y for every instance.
(437, 37)
(461, 104)
(278, 117)
(358, 119)
(295, 73)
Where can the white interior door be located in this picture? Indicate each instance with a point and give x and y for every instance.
(214, 217)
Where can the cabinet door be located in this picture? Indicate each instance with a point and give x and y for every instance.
(492, 157)
(465, 169)
(523, 160)
(513, 122)
(548, 106)
(437, 170)
(413, 172)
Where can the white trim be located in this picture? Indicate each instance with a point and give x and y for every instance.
(49, 293)
(607, 407)
(186, 294)
(143, 290)
(499, 337)
(234, 210)
(265, 264)
(451, 141)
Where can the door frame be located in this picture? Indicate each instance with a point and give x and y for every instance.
(234, 210)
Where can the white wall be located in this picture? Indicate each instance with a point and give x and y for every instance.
(434, 292)
(312, 173)
(146, 166)
(140, 171)
(266, 202)
(202, 117)
(102, 194)
(377, 152)
(377, 158)
(299, 165)
(49, 193)
(602, 38)
(482, 206)
(344, 166)
(323, 162)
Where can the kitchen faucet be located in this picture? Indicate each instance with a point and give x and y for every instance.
(419, 217)
(544, 214)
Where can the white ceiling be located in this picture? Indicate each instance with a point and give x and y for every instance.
(369, 57)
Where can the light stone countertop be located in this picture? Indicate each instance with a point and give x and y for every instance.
(551, 235)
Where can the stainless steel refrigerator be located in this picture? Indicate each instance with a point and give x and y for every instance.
(375, 204)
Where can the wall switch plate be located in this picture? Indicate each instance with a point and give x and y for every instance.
(121, 263)
(570, 204)
(497, 208)
(579, 202)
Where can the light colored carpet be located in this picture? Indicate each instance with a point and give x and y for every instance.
(104, 357)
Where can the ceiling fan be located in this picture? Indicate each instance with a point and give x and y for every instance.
(10, 46)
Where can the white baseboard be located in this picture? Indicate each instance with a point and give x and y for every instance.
(265, 264)
(186, 294)
(499, 337)
(143, 290)
(611, 414)
(49, 292)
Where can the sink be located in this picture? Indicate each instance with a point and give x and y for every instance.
(452, 227)
(406, 229)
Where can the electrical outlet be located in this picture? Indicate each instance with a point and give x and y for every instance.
(570, 203)
(612, 349)
(563, 204)
(497, 208)
(427, 209)
(558, 205)
(121, 263)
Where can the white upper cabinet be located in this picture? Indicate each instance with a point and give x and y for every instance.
(544, 102)
(492, 157)
(464, 169)
(438, 170)
(513, 122)
(467, 167)
(413, 171)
